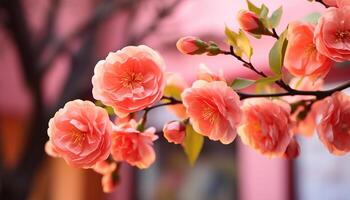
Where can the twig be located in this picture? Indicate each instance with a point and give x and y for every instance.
(318, 94)
(102, 12)
(161, 15)
(172, 101)
(275, 35)
(323, 3)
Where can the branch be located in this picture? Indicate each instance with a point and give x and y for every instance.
(318, 94)
(102, 12)
(172, 101)
(323, 3)
(250, 66)
(161, 15)
(49, 26)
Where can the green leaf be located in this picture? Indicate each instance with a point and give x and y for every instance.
(276, 17)
(240, 83)
(193, 144)
(264, 11)
(240, 42)
(244, 44)
(265, 81)
(231, 36)
(276, 55)
(173, 91)
(312, 18)
(253, 8)
(109, 109)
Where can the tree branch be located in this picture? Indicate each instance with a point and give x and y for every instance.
(102, 12)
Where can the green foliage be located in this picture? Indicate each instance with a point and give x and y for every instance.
(193, 144)
(240, 42)
(265, 81)
(312, 18)
(276, 55)
(109, 109)
(240, 83)
(276, 17)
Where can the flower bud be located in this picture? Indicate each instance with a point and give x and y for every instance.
(191, 45)
(248, 20)
(174, 132)
(293, 150)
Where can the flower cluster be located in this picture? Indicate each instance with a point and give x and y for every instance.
(132, 81)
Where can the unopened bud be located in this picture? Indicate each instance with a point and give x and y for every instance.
(248, 20)
(191, 45)
(174, 132)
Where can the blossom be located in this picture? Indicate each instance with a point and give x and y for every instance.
(133, 146)
(104, 167)
(343, 3)
(293, 150)
(332, 34)
(205, 74)
(174, 132)
(248, 20)
(266, 126)
(130, 79)
(191, 45)
(108, 182)
(80, 134)
(301, 58)
(331, 2)
(214, 110)
(334, 127)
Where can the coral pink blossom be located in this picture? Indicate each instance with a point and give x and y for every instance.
(175, 84)
(50, 150)
(80, 134)
(332, 34)
(108, 183)
(188, 45)
(104, 167)
(307, 125)
(343, 3)
(334, 127)
(266, 126)
(293, 150)
(133, 146)
(214, 110)
(330, 2)
(130, 79)
(207, 75)
(248, 20)
(174, 132)
(302, 58)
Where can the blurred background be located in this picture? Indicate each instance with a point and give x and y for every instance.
(48, 49)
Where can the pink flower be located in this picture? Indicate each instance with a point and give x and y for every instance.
(80, 134)
(130, 79)
(207, 75)
(334, 127)
(302, 58)
(343, 3)
(174, 86)
(174, 131)
(293, 150)
(133, 146)
(331, 2)
(108, 183)
(248, 20)
(332, 34)
(104, 167)
(190, 45)
(213, 108)
(266, 126)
